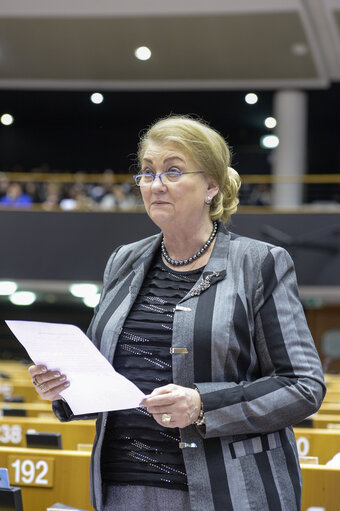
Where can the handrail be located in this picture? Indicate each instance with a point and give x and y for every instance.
(38, 177)
(306, 178)
(139, 208)
(59, 177)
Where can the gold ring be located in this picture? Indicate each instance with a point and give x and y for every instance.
(166, 418)
(42, 387)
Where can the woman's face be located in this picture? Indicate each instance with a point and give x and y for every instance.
(182, 202)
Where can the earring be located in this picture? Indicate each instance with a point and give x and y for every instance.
(208, 200)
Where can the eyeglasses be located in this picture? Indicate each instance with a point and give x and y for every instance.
(171, 176)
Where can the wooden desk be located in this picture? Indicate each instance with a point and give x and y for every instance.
(48, 476)
(332, 395)
(18, 387)
(55, 476)
(321, 487)
(332, 380)
(323, 443)
(325, 421)
(13, 431)
(32, 409)
(329, 408)
(13, 367)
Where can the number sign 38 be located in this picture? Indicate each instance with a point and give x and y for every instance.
(32, 471)
(10, 434)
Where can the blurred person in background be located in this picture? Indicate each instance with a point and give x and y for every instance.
(4, 182)
(76, 198)
(99, 190)
(52, 196)
(35, 191)
(16, 197)
(117, 198)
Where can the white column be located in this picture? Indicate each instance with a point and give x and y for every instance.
(290, 110)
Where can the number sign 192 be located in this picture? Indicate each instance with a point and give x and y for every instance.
(31, 471)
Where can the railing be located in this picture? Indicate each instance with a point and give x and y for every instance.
(82, 177)
(116, 192)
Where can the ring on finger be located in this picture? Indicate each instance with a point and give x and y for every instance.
(166, 418)
(43, 387)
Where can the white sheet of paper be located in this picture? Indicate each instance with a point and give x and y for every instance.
(94, 384)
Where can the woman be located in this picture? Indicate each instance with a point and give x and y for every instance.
(209, 325)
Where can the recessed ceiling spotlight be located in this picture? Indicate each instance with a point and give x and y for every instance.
(7, 119)
(7, 287)
(299, 49)
(92, 300)
(251, 98)
(97, 98)
(270, 122)
(23, 298)
(269, 141)
(81, 290)
(143, 53)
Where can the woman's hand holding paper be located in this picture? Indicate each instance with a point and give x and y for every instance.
(48, 383)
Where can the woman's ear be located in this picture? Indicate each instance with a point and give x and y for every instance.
(212, 189)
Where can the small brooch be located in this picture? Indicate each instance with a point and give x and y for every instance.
(205, 284)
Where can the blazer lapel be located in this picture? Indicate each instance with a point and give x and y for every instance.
(216, 268)
(120, 299)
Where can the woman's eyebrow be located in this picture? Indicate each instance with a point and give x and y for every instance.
(173, 158)
(166, 159)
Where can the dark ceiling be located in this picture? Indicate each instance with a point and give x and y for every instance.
(67, 131)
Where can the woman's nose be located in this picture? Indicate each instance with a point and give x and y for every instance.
(157, 182)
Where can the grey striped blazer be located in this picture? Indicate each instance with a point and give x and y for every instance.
(250, 354)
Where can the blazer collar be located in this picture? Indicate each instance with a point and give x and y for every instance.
(219, 256)
(216, 268)
(143, 261)
(216, 264)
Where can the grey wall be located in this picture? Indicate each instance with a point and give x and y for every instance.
(75, 246)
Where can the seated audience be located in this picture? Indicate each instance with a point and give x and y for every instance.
(16, 197)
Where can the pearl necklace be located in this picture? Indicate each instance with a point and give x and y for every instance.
(195, 256)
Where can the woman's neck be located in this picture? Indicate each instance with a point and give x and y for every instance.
(181, 245)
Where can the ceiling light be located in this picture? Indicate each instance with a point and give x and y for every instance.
(270, 122)
(91, 300)
(83, 289)
(251, 98)
(7, 287)
(7, 119)
(97, 98)
(143, 53)
(269, 141)
(23, 298)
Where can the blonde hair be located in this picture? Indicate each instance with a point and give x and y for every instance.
(208, 149)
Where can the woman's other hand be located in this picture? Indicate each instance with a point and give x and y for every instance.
(48, 383)
(180, 405)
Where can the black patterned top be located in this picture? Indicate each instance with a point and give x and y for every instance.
(136, 449)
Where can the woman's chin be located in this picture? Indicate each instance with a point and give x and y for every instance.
(161, 218)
